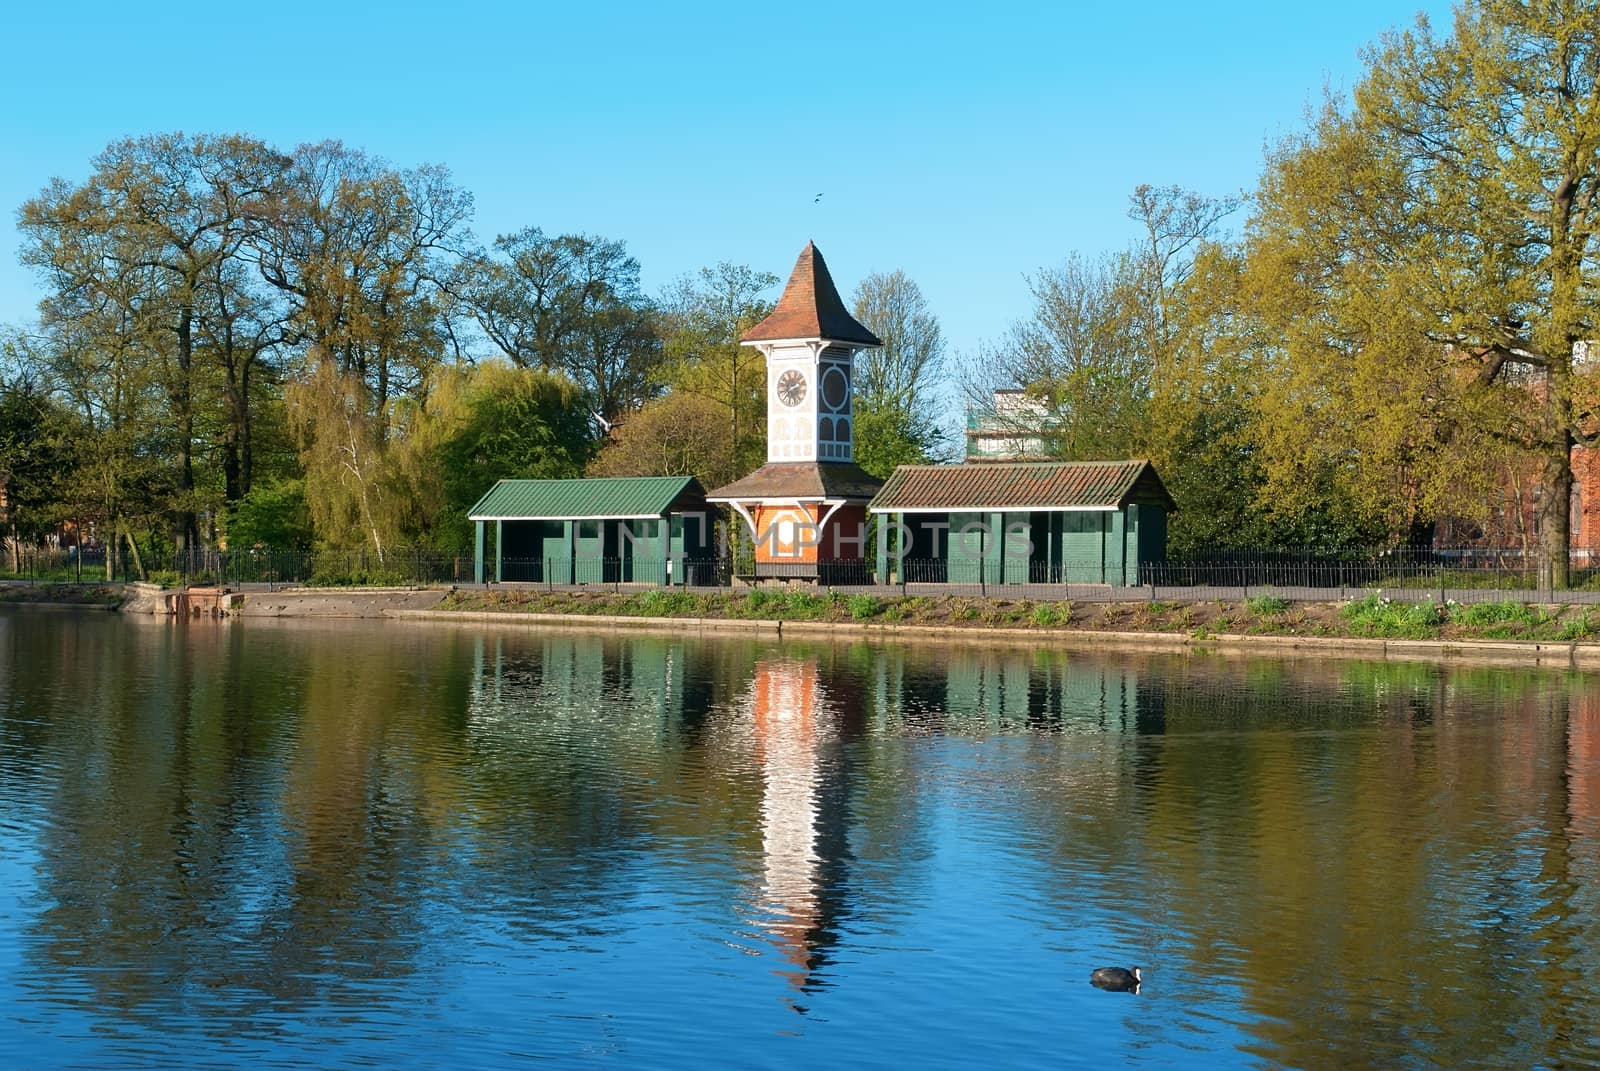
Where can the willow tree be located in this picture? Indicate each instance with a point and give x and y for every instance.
(1436, 241)
(345, 460)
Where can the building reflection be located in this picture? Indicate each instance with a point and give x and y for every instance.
(796, 724)
(974, 688)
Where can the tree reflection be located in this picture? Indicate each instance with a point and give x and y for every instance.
(1342, 863)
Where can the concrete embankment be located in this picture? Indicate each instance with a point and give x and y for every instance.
(336, 602)
(289, 602)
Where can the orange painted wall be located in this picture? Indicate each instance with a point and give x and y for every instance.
(847, 522)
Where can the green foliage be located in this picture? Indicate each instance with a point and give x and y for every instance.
(793, 604)
(803, 605)
(1376, 615)
(1052, 614)
(1578, 628)
(570, 303)
(864, 607)
(273, 515)
(36, 458)
(669, 603)
(375, 577)
(703, 317)
(887, 437)
(1497, 613)
(498, 422)
(678, 434)
(1267, 605)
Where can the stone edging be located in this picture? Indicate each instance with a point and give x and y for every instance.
(1583, 655)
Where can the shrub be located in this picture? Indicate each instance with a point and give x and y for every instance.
(358, 578)
(1267, 605)
(1498, 613)
(863, 607)
(1376, 615)
(1052, 614)
(1578, 628)
(667, 603)
(802, 604)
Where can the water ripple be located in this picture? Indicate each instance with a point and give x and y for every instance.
(272, 844)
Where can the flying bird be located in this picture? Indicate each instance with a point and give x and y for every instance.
(816, 199)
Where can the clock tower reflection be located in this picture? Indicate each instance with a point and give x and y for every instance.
(804, 816)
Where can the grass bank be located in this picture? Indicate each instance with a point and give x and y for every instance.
(1373, 617)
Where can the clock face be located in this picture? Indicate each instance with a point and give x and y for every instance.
(791, 388)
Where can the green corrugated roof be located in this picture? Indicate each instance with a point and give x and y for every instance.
(565, 500)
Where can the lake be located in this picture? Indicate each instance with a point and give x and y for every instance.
(270, 844)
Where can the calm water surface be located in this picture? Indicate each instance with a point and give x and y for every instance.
(273, 845)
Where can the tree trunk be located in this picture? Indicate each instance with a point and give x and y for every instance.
(188, 525)
(1555, 520)
(246, 459)
(133, 551)
(233, 487)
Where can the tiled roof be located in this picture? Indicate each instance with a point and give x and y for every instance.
(557, 500)
(803, 480)
(811, 308)
(1031, 485)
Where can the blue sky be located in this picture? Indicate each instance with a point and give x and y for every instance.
(967, 144)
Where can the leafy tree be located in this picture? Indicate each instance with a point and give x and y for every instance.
(36, 463)
(1217, 427)
(896, 402)
(496, 422)
(95, 368)
(1433, 244)
(886, 438)
(704, 316)
(274, 515)
(150, 247)
(570, 302)
(678, 434)
(344, 461)
(369, 257)
(1079, 358)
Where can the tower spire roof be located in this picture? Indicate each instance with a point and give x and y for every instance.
(811, 308)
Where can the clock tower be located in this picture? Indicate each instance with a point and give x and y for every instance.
(806, 507)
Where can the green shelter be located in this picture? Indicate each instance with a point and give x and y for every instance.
(1037, 522)
(644, 529)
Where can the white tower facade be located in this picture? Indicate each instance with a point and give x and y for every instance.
(810, 401)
